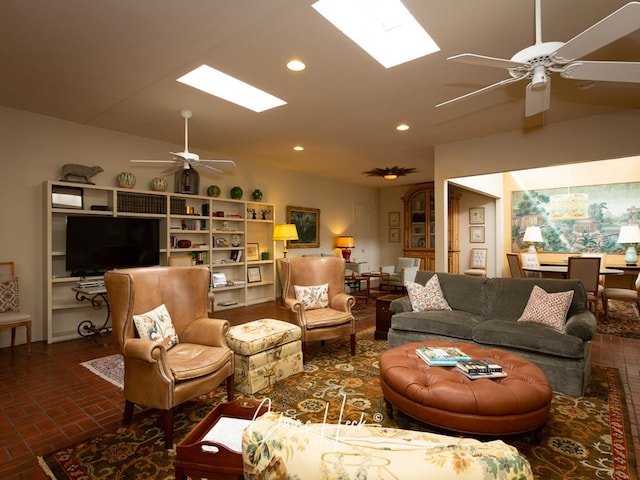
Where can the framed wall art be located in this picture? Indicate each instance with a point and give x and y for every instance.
(394, 219)
(253, 252)
(394, 235)
(254, 274)
(476, 215)
(307, 222)
(476, 234)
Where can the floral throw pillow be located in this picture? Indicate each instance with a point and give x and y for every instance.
(156, 326)
(313, 296)
(9, 296)
(427, 297)
(548, 309)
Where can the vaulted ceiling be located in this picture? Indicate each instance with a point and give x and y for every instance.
(113, 64)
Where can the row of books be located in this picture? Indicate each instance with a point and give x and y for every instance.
(455, 357)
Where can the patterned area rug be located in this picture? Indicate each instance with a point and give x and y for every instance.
(623, 321)
(585, 437)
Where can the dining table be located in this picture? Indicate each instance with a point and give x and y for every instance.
(560, 271)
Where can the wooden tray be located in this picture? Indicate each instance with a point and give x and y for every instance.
(192, 460)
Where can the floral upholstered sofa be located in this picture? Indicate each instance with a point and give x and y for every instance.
(277, 447)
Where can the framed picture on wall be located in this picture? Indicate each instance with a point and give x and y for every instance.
(476, 215)
(476, 234)
(394, 235)
(394, 219)
(307, 222)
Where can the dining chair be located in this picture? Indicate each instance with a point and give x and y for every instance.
(587, 270)
(530, 260)
(10, 314)
(623, 295)
(477, 262)
(514, 265)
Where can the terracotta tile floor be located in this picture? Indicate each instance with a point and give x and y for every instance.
(48, 401)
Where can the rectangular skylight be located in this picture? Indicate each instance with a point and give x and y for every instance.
(219, 84)
(383, 28)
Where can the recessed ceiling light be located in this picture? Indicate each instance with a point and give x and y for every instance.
(384, 29)
(403, 127)
(298, 148)
(296, 65)
(224, 86)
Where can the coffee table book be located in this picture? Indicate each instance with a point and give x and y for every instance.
(478, 375)
(198, 457)
(441, 356)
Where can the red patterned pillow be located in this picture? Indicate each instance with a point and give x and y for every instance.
(548, 309)
(429, 297)
(9, 296)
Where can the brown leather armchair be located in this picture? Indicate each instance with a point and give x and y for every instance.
(333, 321)
(154, 376)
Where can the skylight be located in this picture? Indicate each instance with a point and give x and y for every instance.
(383, 28)
(224, 86)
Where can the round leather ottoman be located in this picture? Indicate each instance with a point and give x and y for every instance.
(443, 397)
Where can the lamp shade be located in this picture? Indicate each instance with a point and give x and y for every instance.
(629, 234)
(532, 234)
(285, 231)
(345, 241)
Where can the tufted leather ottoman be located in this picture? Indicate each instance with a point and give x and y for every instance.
(445, 398)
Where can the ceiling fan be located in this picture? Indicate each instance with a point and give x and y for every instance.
(539, 61)
(186, 159)
(390, 173)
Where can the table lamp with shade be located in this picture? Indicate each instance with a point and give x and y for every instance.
(532, 235)
(630, 236)
(285, 232)
(346, 242)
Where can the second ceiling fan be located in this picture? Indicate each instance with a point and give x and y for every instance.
(537, 62)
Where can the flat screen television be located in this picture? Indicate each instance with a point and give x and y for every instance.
(96, 244)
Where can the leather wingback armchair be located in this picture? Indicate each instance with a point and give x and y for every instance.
(155, 376)
(332, 321)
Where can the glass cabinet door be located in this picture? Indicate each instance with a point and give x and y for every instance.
(419, 231)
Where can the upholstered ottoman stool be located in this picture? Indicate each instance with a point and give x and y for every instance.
(266, 351)
(444, 397)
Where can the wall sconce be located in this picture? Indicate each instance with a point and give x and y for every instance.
(630, 236)
(345, 243)
(285, 232)
(532, 235)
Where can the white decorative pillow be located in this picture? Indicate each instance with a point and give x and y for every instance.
(429, 297)
(10, 296)
(548, 309)
(156, 325)
(313, 296)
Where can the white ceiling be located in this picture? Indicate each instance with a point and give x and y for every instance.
(113, 64)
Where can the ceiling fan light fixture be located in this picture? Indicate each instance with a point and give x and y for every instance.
(389, 173)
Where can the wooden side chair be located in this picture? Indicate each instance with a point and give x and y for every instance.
(514, 265)
(587, 270)
(10, 314)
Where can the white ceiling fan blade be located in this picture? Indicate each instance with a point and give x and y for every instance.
(538, 98)
(229, 163)
(506, 81)
(204, 165)
(483, 60)
(622, 22)
(603, 71)
(153, 161)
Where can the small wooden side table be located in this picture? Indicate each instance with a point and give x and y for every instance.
(192, 457)
(383, 315)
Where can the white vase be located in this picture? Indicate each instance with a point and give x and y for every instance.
(159, 184)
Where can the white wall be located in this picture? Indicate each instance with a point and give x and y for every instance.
(35, 147)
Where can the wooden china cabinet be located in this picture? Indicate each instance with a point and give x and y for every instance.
(420, 227)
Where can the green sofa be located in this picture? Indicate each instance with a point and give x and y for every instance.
(485, 312)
